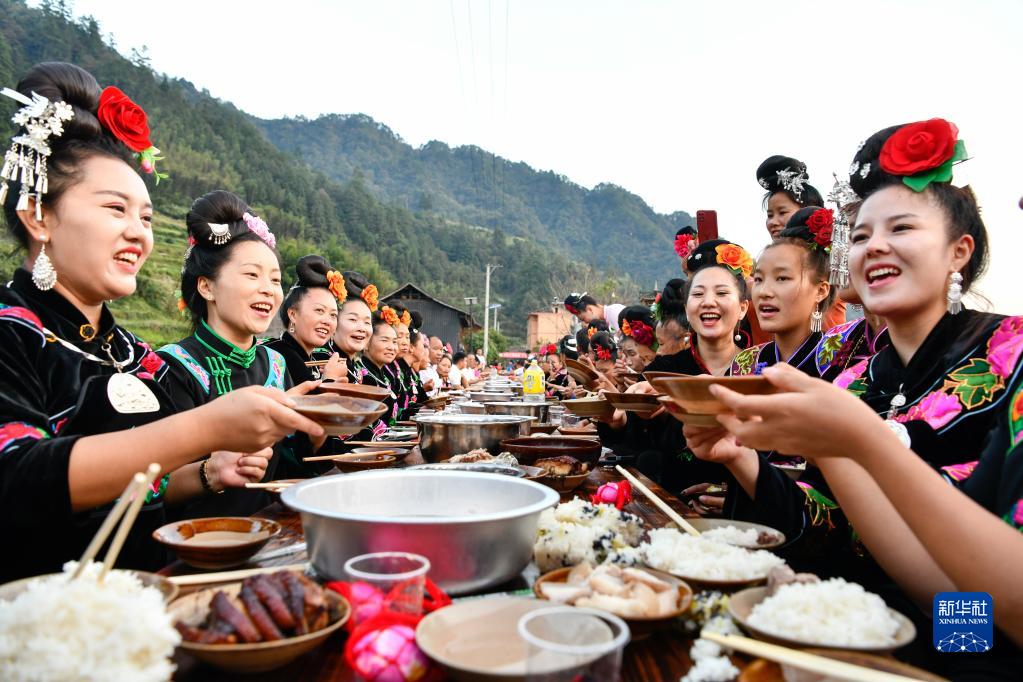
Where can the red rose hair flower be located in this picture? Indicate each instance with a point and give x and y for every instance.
(124, 119)
(919, 147)
(821, 224)
(603, 353)
(642, 333)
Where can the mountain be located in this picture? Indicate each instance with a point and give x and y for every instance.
(607, 226)
(210, 144)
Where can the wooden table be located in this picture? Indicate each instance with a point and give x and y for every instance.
(664, 656)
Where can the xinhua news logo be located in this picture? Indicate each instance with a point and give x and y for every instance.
(964, 622)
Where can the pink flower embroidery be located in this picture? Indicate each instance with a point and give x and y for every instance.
(20, 313)
(937, 409)
(1005, 346)
(850, 375)
(960, 472)
(15, 431)
(1017, 518)
(152, 363)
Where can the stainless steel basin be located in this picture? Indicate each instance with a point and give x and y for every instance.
(477, 529)
(441, 436)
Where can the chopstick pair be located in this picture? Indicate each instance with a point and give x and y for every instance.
(661, 504)
(803, 660)
(127, 506)
(330, 458)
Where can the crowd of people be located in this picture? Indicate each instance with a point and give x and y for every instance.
(901, 408)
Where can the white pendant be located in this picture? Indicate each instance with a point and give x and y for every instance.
(128, 395)
(900, 430)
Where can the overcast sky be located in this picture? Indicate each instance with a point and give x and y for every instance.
(675, 101)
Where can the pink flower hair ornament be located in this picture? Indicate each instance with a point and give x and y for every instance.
(259, 227)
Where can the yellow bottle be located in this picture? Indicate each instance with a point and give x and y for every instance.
(533, 383)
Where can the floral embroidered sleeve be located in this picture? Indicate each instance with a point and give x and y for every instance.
(33, 457)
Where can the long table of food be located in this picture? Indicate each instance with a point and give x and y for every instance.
(661, 656)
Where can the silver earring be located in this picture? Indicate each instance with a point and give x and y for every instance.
(43, 274)
(955, 293)
(291, 329)
(816, 321)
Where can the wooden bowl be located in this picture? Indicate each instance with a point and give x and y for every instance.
(777, 537)
(693, 393)
(339, 414)
(494, 653)
(355, 461)
(542, 428)
(579, 432)
(707, 420)
(589, 407)
(661, 375)
(398, 453)
(741, 604)
(169, 590)
(563, 484)
(438, 402)
(365, 391)
(632, 402)
(583, 374)
(248, 535)
(260, 656)
(639, 627)
(528, 450)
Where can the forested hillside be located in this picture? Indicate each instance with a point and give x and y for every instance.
(210, 144)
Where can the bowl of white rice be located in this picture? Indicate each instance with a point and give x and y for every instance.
(739, 533)
(832, 613)
(706, 563)
(55, 628)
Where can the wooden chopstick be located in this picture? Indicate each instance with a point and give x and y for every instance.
(329, 458)
(267, 486)
(230, 576)
(803, 660)
(316, 363)
(661, 504)
(381, 443)
(129, 519)
(113, 517)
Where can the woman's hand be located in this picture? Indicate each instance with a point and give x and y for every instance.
(713, 444)
(336, 369)
(428, 385)
(708, 499)
(809, 417)
(228, 469)
(645, 388)
(252, 418)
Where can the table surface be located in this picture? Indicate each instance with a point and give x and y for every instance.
(663, 656)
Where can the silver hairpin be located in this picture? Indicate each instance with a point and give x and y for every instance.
(220, 233)
(842, 195)
(793, 180)
(27, 157)
(865, 171)
(855, 166)
(763, 183)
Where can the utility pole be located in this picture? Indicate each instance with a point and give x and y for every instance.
(486, 314)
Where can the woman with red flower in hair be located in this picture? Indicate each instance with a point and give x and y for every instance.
(81, 406)
(638, 347)
(937, 395)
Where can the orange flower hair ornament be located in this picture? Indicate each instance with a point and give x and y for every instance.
(590, 332)
(626, 328)
(336, 285)
(389, 315)
(406, 319)
(370, 295)
(735, 258)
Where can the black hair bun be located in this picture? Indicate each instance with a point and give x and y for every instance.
(417, 319)
(604, 341)
(355, 283)
(687, 230)
(787, 174)
(311, 271)
(578, 302)
(672, 303)
(865, 173)
(798, 226)
(216, 218)
(73, 85)
(636, 313)
(582, 341)
(569, 347)
(703, 255)
(598, 325)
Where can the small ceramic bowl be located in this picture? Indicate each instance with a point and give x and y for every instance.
(639, 627)
(260, 656)
(564, 484)
(398, 453)
(218, 542)
(339, 414)
(353, 462)
(741, 604)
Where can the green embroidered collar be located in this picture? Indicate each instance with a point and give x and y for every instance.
(223, 352)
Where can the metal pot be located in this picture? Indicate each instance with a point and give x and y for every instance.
(476, 529)
(490, 397)
(442, 436)
(472, 408)
(525, 409)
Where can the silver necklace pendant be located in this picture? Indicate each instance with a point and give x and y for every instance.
(128, 395)
(898, 401)
(900, 430)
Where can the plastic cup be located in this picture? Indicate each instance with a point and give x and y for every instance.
(387, 581)
(566, 644)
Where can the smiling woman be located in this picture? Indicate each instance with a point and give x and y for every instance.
(231, 285)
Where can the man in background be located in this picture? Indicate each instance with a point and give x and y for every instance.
(458, 377)
(430, 376)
